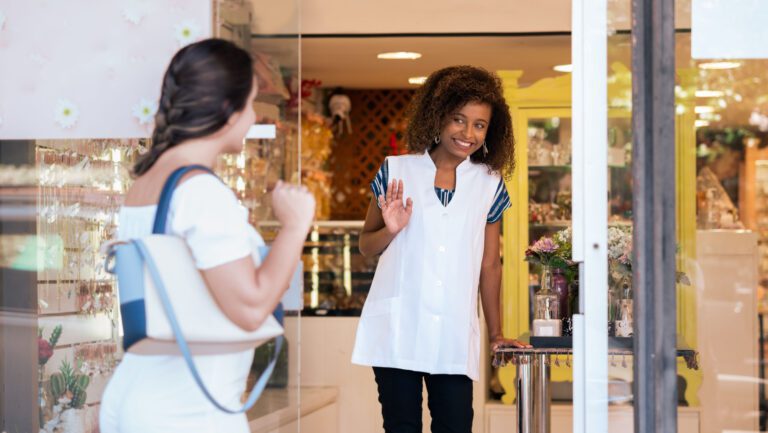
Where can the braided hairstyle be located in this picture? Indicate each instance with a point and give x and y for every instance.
(205, 83)
(448, 90)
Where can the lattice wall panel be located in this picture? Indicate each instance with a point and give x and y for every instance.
(376, 116)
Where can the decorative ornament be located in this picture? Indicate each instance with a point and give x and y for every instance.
(187, 32)
(145, 111)
(340, 106)
(66, 113)
(307, 86)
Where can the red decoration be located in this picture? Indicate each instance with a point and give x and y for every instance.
(307, 86)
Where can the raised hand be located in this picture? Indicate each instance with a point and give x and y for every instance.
(395, 213)
(294, 206)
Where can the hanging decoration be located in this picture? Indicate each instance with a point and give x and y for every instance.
(340, 105)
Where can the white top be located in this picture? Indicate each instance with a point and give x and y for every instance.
(421, 312)
(204, 212)
(158, 393)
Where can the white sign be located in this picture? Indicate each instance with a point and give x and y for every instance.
(262, 131)
(729, 29)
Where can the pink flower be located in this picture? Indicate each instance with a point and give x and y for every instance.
(44, 351)
(544, 245)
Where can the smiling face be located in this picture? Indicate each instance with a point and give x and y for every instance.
(464, 130)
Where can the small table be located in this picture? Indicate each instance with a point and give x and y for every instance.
(533, 376)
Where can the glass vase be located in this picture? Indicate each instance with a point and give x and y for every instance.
(546, 321)
(624, 310)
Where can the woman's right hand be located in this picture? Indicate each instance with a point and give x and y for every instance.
(395, 214)
(293, 206)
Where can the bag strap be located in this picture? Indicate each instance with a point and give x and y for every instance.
(261, 383)
(161, 214)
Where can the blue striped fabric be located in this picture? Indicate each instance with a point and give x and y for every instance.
(500, 200)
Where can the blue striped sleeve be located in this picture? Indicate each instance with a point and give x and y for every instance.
(379, 183)
(500, 203)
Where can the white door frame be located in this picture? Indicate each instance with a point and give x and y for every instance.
(590, 214)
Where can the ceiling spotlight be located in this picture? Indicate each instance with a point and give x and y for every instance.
(399, 55)
(564, 68)
(719, 65)
(709, 93)
(417, 80)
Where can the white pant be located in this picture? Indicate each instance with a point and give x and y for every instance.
(149, 394)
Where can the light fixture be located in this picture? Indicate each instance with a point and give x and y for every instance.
(709, 93)
(719, 65)
(417, 80)
(700, 123)
(564, 68)
(703, 109)
(399, 55)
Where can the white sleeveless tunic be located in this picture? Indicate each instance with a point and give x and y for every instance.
(421, 312)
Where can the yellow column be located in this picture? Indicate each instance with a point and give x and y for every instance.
(515, 222)
(685, 192)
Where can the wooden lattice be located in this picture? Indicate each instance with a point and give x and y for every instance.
(377, 116)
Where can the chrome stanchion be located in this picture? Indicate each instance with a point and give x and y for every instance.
(542, 394)
(525, 394)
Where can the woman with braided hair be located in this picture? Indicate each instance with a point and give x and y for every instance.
(205, 110)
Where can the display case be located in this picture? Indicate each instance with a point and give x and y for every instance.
(336, 276)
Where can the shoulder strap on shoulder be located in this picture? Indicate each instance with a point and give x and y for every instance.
(161, 215)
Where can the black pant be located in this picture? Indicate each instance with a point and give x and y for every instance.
(449, 400)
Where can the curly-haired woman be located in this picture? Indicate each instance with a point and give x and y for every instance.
(436, 218)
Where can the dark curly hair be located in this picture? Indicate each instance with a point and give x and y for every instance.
(205, 83)
(445, 92)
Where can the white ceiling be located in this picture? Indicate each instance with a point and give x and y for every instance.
(351, 62)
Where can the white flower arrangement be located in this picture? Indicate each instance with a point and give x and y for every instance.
(620, 244)
(66, 113)
(145, 111)
(187, 32)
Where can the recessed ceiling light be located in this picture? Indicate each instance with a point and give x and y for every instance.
(700, 123)
(399, 55)
(703, 109)
(417, 80)
(709, 93)
(564, 68)
(719, 65)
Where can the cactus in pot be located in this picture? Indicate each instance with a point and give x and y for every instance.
(68, 387)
